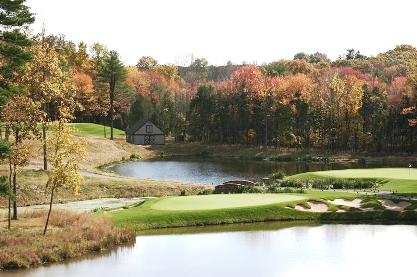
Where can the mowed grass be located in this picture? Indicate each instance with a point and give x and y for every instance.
(95, 130)
(220, 209)
(222, 201)
(397, 180)
(378, 173)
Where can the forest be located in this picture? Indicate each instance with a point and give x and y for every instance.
(354, 103)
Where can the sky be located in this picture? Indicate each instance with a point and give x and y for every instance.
(252, 31)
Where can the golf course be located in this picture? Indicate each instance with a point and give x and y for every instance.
(398, 180)
(222, 201)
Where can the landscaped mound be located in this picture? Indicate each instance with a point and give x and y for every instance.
(71, 235)
(397, 180)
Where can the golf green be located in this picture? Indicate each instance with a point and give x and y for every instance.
(383, 173)
(221, 201)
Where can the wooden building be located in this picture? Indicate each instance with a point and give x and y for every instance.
(144, 132)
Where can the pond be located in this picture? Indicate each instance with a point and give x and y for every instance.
(261, 250)
(215, 172)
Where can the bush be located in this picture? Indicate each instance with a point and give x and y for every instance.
(291, 183)
(279, 175)
(205, 192)
(331, 183)
(277, 189)
(251, 189)
(134, 157)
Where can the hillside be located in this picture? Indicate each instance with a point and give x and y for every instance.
(96, 130)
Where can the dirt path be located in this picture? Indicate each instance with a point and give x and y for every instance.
(86, 205)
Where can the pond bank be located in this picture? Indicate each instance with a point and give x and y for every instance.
(70, 235)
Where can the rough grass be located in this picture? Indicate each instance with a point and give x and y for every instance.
(70, 235)
(96, 130)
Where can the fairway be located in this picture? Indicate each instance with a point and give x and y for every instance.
(95, 130)
(383, 173)
(220, 201)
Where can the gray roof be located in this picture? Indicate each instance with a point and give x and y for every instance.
(130, 130)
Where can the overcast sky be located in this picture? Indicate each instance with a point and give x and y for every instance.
(237, 30)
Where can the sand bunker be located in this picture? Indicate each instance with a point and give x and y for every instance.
(356, 203)
(316, 207)
(390, 205)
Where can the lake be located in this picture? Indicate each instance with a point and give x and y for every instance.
(215, 172)
(264, 249)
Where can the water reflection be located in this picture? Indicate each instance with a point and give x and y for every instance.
(326, 250)
(218, 171)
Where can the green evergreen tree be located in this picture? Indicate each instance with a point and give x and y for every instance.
(114, 73)
(14, 18)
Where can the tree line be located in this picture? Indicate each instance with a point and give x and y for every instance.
(352, 104)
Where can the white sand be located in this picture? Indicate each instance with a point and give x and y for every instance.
(356, 203)
(390, 205)
(316, 207)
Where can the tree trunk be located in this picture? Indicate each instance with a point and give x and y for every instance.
(112, 87)
(104, 127)
(7, 134)
(14, 193)
(50, 209)
(14, 180)
(45, 157)
(9, 216)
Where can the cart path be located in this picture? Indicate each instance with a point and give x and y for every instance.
(86, 205)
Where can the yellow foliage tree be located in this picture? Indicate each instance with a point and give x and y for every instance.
(49, 85)
(21, 115)
(66, 153)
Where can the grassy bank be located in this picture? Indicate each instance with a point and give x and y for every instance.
(96, 130)
(283, 154)
(70, 236)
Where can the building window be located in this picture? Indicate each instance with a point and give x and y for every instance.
(149, 128)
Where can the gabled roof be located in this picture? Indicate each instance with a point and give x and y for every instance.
(130, 130)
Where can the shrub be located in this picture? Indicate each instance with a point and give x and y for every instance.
(277, 189)
(205, 192)
(332, 183)
(292, 183)
(279, 175)
(251, 189)
(134, 157)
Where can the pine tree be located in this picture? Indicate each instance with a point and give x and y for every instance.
(14, 18)
(114, 73)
